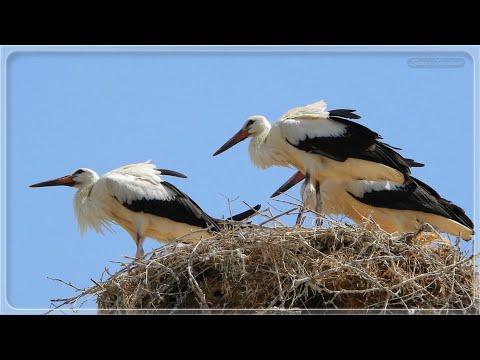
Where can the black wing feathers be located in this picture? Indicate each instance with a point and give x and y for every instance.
(426, 187)
(357, 142)
(407, 197)
(456, 212)
(415, 195)
(384, 154)
(356, 138)
(180, 208)
(344, 113)
(413, 163)
(245, 214)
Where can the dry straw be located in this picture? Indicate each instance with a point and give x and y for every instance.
(281, 269)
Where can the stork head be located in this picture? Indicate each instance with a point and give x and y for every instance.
(79, 178)
(254, 126)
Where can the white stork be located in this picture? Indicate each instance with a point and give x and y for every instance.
(136, 198)
(393, 206)
(323, 143)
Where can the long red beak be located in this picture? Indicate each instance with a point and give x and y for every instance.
(64, 180)
(239, 136)
(294, 180)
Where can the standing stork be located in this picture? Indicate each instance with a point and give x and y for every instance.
(326, 144)
(136, 198)
(393, 206)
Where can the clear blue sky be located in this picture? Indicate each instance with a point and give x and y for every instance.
(101, 110)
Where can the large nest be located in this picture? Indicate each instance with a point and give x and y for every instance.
(291, 269)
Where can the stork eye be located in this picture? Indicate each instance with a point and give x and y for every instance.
(249, 123)
(78, 172)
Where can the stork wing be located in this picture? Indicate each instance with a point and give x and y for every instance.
(313, 111)
(318, 110)
(180, 207)
(151, 195)
(456, 212)
(413, 196)
(338, 138)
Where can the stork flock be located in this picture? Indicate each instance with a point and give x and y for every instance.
(346, 168)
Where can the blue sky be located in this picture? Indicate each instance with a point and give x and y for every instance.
(75, 107)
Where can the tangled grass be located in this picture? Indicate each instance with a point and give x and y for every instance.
(259, 269)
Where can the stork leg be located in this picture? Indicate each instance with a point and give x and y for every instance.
(139, 241)
(300, 214)
(303, 208)
(318, 204)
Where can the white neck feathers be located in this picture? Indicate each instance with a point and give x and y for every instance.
(89, 211)
(266, 148)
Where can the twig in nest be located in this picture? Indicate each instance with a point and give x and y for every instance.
(342, 267)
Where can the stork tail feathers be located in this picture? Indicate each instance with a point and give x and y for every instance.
(413, 163)
(244, 215)
(344, 113)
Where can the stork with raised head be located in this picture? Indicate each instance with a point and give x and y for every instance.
(395, 207)
(326, 144)
(136, 198)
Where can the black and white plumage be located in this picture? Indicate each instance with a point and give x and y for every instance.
(326, 144)
(140, 201)
(393, 206)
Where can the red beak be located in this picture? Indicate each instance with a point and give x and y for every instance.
(64, 180)
(294, 180)
(239, 136)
